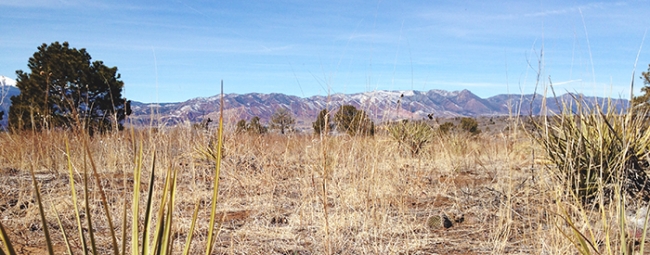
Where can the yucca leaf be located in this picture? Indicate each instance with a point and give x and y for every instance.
(645, 229)
(188, 242)
(103, 197)
(46, 232)
(167, 242)
(147, 214)
(65, 236)
(158, 245)
(89, 219)
(160, 222)
(124, 223)
(215, 194)
(4, 237)
(2, 252)
(135, 210)
(73, 191)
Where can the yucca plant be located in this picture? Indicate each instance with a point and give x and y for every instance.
(594, 147)
(411, 135)
(598, 153)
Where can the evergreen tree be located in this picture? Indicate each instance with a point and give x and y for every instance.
(241, 126)
(470, 125)
(642, 102)
(64, 89)
(353, 121)
(322, 121)
(282, 120)
(446, 127)
(255, 126)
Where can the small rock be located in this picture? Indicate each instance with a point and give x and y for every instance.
(280, 220)
(446, 222)
(439, 221)
(434, 222)
(459, 218)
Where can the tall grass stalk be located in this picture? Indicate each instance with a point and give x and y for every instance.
(215, 190)
(326, 172)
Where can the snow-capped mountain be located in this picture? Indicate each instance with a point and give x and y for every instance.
(380, 105)
(7, 90)
(6, 81)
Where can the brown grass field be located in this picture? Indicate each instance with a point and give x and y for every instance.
(305, 194)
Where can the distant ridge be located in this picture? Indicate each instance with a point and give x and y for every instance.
(380, 105)
(7, 90)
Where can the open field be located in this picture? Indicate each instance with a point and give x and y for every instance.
(304, 194)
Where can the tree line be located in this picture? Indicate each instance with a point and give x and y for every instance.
(348, 119)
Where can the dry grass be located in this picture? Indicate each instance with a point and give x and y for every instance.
(379, 200)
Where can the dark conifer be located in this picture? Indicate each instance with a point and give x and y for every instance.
(63, 88)
(353, 121)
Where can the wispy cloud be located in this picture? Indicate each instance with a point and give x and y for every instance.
(460, 84)
(52, 3)
(571, 9)
(276, 49)
(566, 82)
(34, 3)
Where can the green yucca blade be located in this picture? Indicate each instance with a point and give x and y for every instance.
(46, 232)
(73, 191)
(188, 242)
(215, 193)
(567, 237)
(621, 219)
(645, 230)
(584, 249)
(160, 226)
(124, 223)
(159, 236)
(147, 214)
(136, 201)
(91, 230)
(167, 242)
(4, 237)
(583, 244)
(103, 197)
(65, 235)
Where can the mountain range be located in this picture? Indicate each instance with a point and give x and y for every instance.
(7, 90)
(380, 105)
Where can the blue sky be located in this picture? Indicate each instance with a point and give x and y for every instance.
(170, 51)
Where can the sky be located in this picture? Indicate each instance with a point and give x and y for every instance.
(172, 51)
